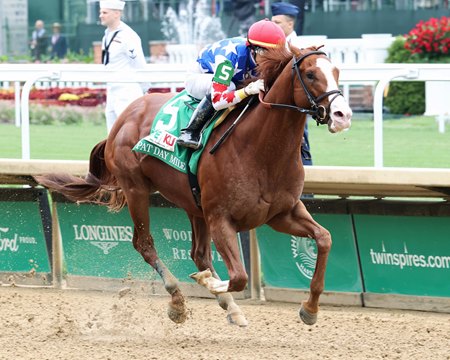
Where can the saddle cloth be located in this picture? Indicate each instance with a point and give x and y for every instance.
(162, 140)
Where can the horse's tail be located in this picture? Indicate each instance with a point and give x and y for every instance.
(98, 187)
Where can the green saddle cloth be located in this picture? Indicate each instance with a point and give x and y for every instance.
(162, 140)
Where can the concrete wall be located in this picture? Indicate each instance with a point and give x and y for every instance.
(13, 27)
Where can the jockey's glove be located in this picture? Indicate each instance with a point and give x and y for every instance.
(254, 87)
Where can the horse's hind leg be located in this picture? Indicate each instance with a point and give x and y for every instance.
(138, 205)
(201, 255)
(299, 222)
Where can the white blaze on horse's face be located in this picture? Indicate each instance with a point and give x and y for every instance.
(340, 112)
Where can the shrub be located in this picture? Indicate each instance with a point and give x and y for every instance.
(427, 42)
(41, 115)
(69, 116)
(397, 53)
(71, 57)
(7, 113)
(49, 115)
(404, 97)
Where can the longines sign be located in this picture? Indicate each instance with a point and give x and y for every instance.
(99, 243)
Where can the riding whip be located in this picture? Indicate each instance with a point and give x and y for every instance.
(231, 128)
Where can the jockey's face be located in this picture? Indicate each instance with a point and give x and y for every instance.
(109, 17)
(256, 53)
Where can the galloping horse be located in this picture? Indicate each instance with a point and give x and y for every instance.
(255, 177)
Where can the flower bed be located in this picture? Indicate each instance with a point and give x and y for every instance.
(430, 40)
(62, 96)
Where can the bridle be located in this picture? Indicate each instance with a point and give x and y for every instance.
(318, 112)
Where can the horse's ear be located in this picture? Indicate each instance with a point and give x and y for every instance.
(295, 50)
(320, 47)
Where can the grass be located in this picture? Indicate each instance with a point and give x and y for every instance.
(408, 142)
(61, 142)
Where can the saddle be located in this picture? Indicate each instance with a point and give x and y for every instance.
(171, 118)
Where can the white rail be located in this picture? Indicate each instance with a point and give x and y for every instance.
(172, 76)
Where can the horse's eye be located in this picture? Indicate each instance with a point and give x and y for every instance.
(310, 75)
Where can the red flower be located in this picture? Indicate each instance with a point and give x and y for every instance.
(430, 38)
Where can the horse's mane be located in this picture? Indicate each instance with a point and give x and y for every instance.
(274, 60)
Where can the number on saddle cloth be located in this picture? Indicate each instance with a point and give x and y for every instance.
(161, 142)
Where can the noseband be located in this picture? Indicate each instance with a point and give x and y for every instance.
(318, 112)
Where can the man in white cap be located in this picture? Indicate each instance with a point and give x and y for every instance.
(121, 50)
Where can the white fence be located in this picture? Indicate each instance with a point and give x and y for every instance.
(172, 76)
(369, 48)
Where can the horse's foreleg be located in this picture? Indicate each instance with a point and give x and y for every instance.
(138, 205)
(225, 239)
(299, 222)
(201, 255)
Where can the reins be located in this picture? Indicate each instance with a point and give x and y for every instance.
(318, 112)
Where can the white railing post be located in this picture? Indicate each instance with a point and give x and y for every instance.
(378, 111)
(17, 102)
(26, 110)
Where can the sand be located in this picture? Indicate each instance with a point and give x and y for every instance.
(43, 323)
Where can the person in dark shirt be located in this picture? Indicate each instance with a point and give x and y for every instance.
(58, 42)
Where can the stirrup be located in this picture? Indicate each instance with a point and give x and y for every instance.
(189, 143)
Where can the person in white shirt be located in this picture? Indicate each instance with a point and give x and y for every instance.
(284, 15)
(121, 50)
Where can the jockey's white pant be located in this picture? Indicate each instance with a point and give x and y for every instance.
(118, 97)
(198, 83)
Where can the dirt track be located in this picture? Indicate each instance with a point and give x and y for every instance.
(51, 324)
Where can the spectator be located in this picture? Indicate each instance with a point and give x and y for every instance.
(59, 43)
(121, 50)
(284, 14)
(39, 41)
(299, 23)
(244, 15)
(219, 68)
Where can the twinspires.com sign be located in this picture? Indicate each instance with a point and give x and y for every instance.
(99, 243)
(405, 254)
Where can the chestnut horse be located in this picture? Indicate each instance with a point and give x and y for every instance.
(255, 177)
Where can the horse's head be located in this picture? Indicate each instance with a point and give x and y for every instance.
(313, 81)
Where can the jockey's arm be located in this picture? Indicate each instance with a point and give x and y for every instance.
(223, 93)
(222, 97)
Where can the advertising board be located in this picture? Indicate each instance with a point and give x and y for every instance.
(99, 243)
(289, 261)
(23, 247)
(407, 255)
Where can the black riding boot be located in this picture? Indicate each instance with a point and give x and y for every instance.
(190, 136)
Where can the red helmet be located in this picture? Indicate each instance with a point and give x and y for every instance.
(265, 34)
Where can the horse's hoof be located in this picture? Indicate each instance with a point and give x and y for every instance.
(201, 276)
(307, 317)
(237, 319)
(178, 314)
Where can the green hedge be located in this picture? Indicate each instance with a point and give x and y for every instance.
(407, 97)
(404, 97)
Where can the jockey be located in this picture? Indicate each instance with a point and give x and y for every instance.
(219, 68)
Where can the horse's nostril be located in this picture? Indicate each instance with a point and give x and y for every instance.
(339, 114)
